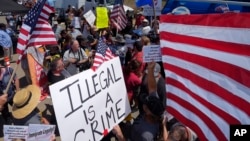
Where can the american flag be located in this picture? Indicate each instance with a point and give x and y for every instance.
(118, 16)
(36, 30)
(206, 62)
(102, 54)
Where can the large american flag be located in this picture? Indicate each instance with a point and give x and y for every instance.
(207, 65)
(36, 30)
(103, 53)
(118, 16)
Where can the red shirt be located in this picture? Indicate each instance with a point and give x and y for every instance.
(139, 57)
(132, 82)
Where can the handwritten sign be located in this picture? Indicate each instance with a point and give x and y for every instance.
(15, 132)
(152, 52)
(149, 11)
(90, 17)
(33, 132)
(41, 132)
(88, 105)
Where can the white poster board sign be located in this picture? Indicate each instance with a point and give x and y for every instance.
(12, 132)
(149, 11)
(90, 17)
(41, 132)
(88, 105)
(152, 52)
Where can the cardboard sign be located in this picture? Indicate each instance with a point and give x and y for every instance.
(102, 20)
(88, 105)
(149, 11)
(90, 17)
(41, 132)
(15, 132)
(152, 52)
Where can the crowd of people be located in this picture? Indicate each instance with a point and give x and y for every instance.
(75, 52)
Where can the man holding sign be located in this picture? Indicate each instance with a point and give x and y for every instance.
(149, 125)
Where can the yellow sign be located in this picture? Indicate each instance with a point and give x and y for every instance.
(102, 20)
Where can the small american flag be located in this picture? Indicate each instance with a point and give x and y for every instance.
(118, 16)
(206, 62)
(102, 54)
(36, 30)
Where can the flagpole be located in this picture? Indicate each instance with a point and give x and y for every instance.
(11, 78)
(154, 9)
(154, 12)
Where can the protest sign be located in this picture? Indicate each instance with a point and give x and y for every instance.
(90, 17)
(152, 52)
(149, 11)
(12, 132)
(102, 20)
(41, 132)
(88, 105)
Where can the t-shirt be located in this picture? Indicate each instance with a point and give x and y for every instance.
(80, 55)
(132, 82)
(143, 131)
(54, 78)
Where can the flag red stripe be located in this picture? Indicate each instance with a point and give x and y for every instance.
(227, 117)
(42, 43)
(220, 20)
(24, 31)
(39, 36)
(188, 122)
(242, 104)
(214, 65)
(21, 41)
(207, 43)
(209, 122)
(42, 29)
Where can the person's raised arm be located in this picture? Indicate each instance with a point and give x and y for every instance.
(152, 86)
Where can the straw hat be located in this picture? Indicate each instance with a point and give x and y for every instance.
(25, 101)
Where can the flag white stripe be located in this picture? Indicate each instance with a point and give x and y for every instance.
(231, 85)
(184, 96)
(20, 46)
(35, 32)
(43, 25)
(209, 32)
(22, 36)
(237, 60)
(41, 40)
(192, 116)
(213, 99)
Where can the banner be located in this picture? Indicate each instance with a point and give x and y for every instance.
(37, 72)
(90, 17)
(102, 20)
(152, 52)
(88, 105)
(41, 132)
